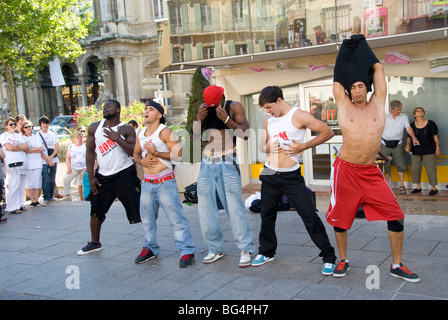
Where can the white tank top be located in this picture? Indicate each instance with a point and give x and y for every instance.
(154, 139)
(283, 130)
(110, 156)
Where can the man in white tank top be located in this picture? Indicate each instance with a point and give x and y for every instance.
(111, 143)
(156, 146)
(283, 141)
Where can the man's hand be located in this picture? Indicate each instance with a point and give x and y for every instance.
(221, 113)
(94, 184)
(112, 135)
(202, 112)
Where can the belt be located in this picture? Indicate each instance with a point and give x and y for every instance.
(161, 180)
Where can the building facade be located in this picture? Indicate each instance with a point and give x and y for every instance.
(249, 44)
(121, 62)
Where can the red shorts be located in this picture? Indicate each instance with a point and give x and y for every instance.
(353, 185)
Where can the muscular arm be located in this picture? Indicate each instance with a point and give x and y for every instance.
(90, 156)
(237, 120)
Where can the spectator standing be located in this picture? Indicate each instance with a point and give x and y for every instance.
(49, 159)
(16, 168)
(34, 163)
(391, 144)
(75, 160)
(427, 134)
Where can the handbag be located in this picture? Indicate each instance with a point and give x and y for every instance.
(49, 150)
(391, 143)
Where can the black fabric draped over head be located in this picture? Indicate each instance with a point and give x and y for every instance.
(354, 62)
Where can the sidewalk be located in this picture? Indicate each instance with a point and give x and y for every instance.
(38, 259)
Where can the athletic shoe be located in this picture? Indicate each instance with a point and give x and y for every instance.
(404, 273)
(66, 199)
(328, 269)
(145, 255)
(46, 203)
(433, 192)
(244, 259)
(90, 248)
(341, 269)
(186, 260)
(212, 257)
(261, 260)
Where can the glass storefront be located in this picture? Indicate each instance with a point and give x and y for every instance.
(213, 29)
(317, 98)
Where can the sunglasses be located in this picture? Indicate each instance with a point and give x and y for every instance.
(12, 124)
(27, 127)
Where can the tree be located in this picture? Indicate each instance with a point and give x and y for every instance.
(34, 32)
(198, 84)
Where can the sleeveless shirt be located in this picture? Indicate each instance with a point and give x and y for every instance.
(283, 130)
(154, 139)
(110, 156)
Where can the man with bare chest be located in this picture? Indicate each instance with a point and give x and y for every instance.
(355, 179)
(155, 148)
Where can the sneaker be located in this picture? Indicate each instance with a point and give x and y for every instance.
(212, 257)
(341, 269)
(66, 199)
(186, 260)
(261, 260)
(244, 259)
(46, 203)
(433, 192)
(145, 255)
(416, 191)
(90, 248)
(328, 269)
(404, 273)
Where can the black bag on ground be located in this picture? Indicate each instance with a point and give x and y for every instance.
(191, 195)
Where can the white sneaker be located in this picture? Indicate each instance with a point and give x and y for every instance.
(212, 257)
(66, 199)
(46, 203)
(244, 259)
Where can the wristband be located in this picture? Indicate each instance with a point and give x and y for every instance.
(228, 117)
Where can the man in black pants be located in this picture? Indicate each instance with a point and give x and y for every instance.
(282, 140)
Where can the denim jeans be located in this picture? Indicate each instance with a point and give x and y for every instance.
(291, 184)
(222, 178)
(48, 180)
(166, 196)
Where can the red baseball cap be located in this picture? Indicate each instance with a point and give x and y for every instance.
(212, 95)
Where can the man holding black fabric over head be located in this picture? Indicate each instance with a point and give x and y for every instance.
(355, 179)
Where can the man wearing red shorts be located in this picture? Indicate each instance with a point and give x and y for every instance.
(355, 180)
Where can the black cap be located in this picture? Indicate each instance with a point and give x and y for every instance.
(159, 108)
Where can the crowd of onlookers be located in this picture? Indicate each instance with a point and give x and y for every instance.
(29, 162)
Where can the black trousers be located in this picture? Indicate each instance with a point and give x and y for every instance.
(292, 185)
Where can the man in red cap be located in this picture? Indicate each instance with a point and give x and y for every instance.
(222, 121)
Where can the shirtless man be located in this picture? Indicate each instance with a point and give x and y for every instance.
(220, 173)
(156, 146)
(283, 141)
(355, 179)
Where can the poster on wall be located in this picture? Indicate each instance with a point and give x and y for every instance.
(439, 9)
(334, 151)
(375, 22)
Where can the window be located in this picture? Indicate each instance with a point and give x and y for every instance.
(159, 9)
(417, 8)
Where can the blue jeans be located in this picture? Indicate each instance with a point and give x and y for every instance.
(48, 180)
(222, 177)
(164, 195)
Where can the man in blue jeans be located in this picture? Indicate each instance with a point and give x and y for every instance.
(221, 121)
(49, 161)
(155, 147)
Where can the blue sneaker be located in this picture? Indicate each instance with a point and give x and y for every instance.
(261, 260)
(328, 269)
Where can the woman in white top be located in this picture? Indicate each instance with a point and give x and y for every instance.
(16, 168)
(75, 160)
(34, 163)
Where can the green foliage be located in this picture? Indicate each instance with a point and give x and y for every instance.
(198, 84)
(33, 32)
(84, 116)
